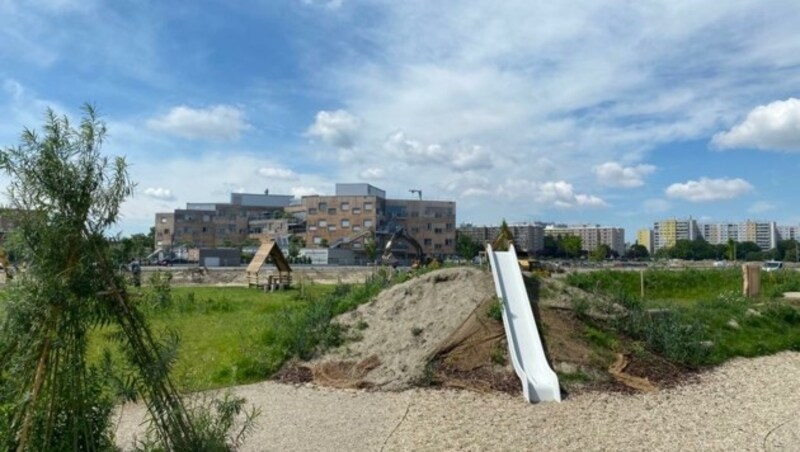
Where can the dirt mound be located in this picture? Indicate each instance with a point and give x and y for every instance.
(402, 329)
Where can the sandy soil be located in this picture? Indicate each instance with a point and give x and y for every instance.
(406, 324)
(743, 405)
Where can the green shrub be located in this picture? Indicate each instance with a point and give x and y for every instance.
(495, 311)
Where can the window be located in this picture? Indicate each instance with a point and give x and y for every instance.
(323, 223)
(166, 231)
(163, 219)
(332, 211)
(449, 226)
(345, 206)
(312, 228)
(323, 206)
(317, 240)
(438, 246)
(437, 230)
(312, 211)
(427, 242)
(356, 228)
(367, 206)
(205, 229)
(332, 228)
(430, 226)
(415, 230)
(356, 210)
(448, 242)
(206, 218)
(345, 223)
(367, 223)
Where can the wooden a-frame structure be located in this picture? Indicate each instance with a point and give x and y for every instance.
(269, 249)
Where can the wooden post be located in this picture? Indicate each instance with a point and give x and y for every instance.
(751, 275)
(641, 282)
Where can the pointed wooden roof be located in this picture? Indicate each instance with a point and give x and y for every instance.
(269, 249)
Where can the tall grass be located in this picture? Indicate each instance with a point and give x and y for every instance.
(303, 329)
(698, 317)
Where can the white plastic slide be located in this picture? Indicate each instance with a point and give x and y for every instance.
(539, 382)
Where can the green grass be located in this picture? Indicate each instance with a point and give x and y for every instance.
(218, 328)
(698, 317)
(681, 285)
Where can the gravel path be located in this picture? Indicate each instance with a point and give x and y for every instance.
(744, 405)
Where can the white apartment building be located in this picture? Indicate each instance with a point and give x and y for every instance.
(591, 236)
(763, 233)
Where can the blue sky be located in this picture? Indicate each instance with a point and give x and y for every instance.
(617, 113)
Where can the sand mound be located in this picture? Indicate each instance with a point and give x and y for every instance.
(402, 328)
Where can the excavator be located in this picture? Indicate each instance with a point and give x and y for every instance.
(401, 235)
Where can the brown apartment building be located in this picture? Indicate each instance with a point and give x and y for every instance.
(355, 209)
(211, 225)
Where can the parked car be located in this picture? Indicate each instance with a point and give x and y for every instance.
(772, 266)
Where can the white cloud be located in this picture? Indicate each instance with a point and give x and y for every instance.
(278, 173)
(772, 127)
(329, 4)
(456, 157)
(336, 128)
(615, 175)
(558, 194)
(299, 192)
(372, 174)
(761, 207)
(706, 189)
(219, 122)
(164, 194)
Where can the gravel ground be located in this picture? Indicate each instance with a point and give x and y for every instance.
(743, 405)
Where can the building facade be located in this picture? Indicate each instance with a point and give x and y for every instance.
(667, 232)
(644, 237)
(765, 234)
(591, 236)
(528, 238)
(356, 210)
(211, 225)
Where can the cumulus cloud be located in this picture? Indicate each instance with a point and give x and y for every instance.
(771, 127)
(299, 192)
(219, 122)
(615, 175)
(559, 194)
(372, 173)
(159, 193)
(706, 189)
(336, 128)
(456, 157)
(278, 173)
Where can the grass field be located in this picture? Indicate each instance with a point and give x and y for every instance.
(698, 317)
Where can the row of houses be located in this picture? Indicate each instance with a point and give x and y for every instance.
(665, 233)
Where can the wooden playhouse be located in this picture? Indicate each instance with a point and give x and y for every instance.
(270, 281)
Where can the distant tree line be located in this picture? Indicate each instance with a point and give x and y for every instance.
(700, 249)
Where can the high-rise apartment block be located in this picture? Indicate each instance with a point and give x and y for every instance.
(591, 236)
(644, 237)
(763, 233)
(528, 238)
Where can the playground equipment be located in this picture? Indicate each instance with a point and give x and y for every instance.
(539, 382)
(269, 249)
